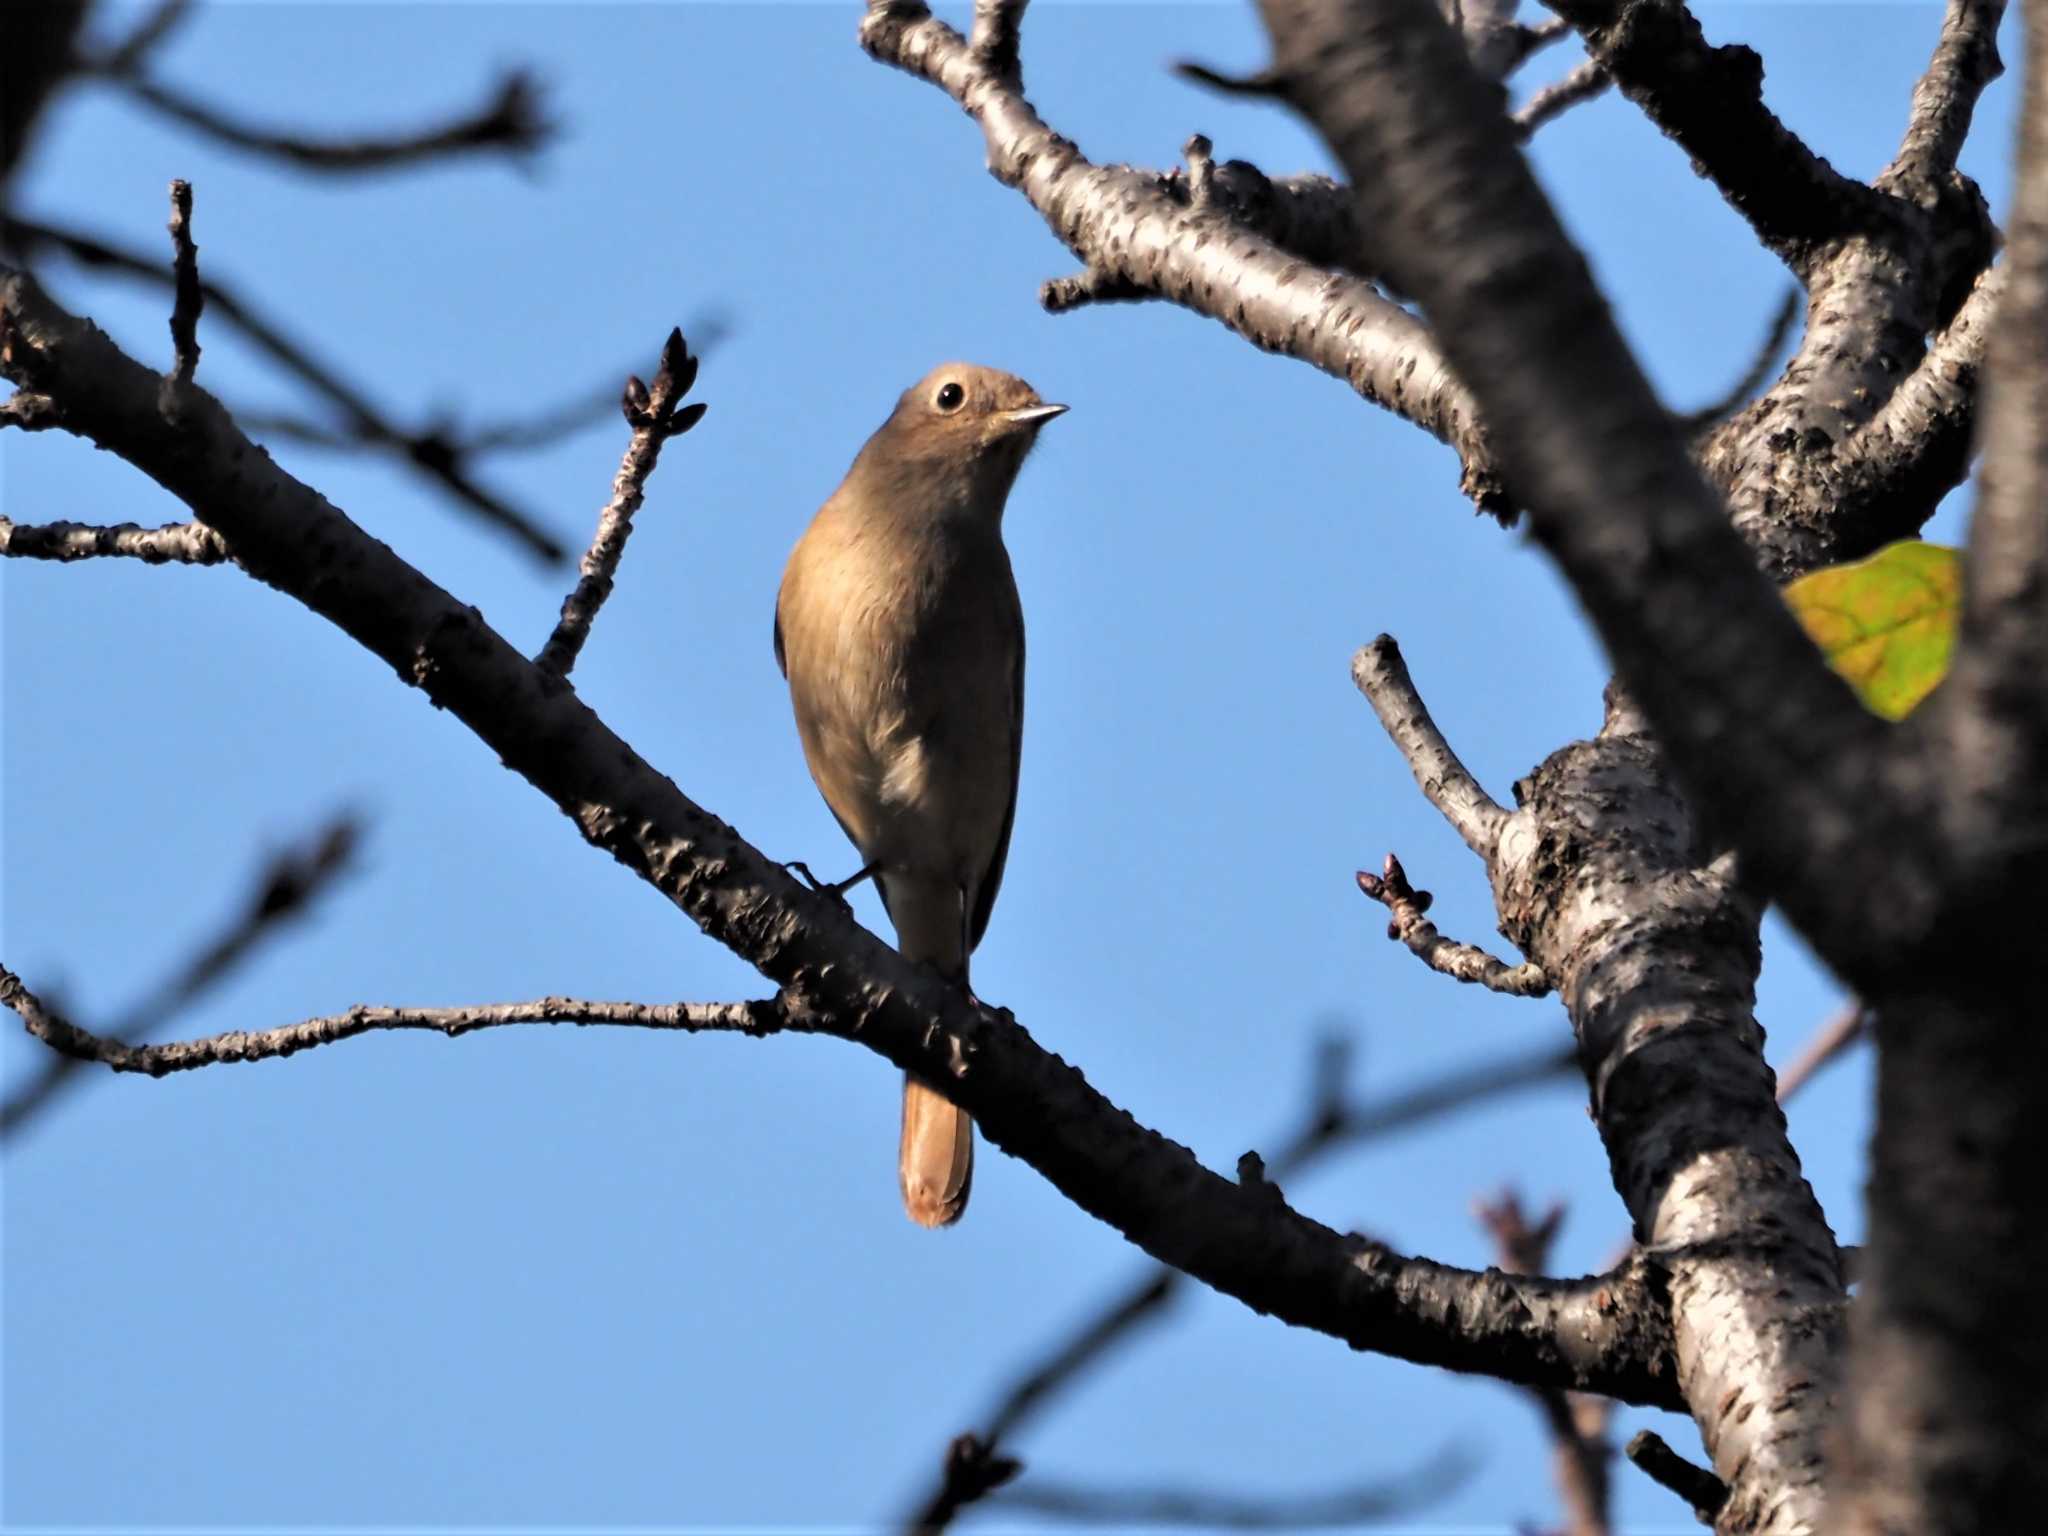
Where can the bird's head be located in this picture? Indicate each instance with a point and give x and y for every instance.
(968, 422)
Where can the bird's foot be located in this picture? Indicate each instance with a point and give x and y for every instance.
(836, 889)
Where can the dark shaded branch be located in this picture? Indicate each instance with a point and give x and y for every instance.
(428, 452)
(1461, 962)
(764, 1017)
(1586, 80)
(1577, 1424)
(1703, 1492)
(1247, 256)
(129, 54)
(510, 121)
(190, 300)
(1382, 676)
(174, 543)
(1331, 1121)
(1945, 98)
(284, 889)
(1607, 1334)
(1710, 100)
(655, 415)
(35, 62)
(971, 1471)
(1759, 372)
(1204, 1509)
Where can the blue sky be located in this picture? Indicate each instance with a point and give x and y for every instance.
(606, 1278)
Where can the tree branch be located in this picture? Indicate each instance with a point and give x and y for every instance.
(1460, 962)
(1604, 1335)
(1758, 373)
(1710, 100)
(1703, 1492)
(1382, 676)
(185, 280)
(971, 1471)
(430, 453)
(174, 543)
(655, 416)
(1945, 97)
(1586, 80)
(1245, 256)
(510, 121)
(764, 1017)
(1770, 739)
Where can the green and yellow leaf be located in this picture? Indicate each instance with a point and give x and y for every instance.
(1888, 623)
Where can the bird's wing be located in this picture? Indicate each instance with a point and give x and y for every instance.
(992, 877)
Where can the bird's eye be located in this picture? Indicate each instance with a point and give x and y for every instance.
(950, 397)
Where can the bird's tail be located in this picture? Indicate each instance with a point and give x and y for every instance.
(937, 1159)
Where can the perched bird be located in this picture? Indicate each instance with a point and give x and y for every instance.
(899, 630)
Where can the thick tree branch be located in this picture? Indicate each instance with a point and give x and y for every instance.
(1710, 100)
(655, 415)
(1945, 98)
(1609, 1336)
(1252, 254)
(1461, 962)
(431, 453)
(510, 121)
(1770, 739)
(175, 543)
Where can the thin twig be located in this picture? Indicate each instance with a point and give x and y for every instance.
(1577, 1422)
(1826, 1044)
(1202, 1509)
(1330, 1120)
(1382, 676)
(174, 543)
(1585, 80)
(761, 1017)
(1461, 962)
(428, 452)
(1759, 370)
(971, 1471)
(191, 299)
(510, 120)
(655, 415)
(1703, 1492)
(129, 53)
(285, 887)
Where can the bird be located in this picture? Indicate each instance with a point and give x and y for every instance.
(900, 632)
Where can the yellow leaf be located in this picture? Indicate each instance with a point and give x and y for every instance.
(1887, 623)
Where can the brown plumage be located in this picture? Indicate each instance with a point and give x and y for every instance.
(899, 630)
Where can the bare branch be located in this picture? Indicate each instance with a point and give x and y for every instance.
(149, 33)
(655, 416)
(1848, 1026)
(764, 1017)
(1703, 1492)
(1577, 1424)
(994, 38)
(185, 275)
(1382, 676)
(174, 543)
(428, 452)
(1605, 1334)
(1945, 97)
(1238, 259)
(510, 121)
(971, 1471)
(1586, 80)
(285, 888)
(1758, 373)
(1204, 1509)
(1460, 962)
(1710, 100)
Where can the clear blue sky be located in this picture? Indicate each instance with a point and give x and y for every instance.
(619, 1279)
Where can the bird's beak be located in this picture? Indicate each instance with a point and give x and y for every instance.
(1034, 415)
